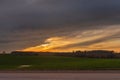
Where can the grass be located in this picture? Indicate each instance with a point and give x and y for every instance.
(8, 62)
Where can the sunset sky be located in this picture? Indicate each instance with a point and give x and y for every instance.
(59, 25)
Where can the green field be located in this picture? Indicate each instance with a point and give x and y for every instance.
(57, 63)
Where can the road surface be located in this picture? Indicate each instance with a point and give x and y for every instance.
(59, 76)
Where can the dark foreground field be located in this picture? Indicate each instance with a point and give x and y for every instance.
(8, 62)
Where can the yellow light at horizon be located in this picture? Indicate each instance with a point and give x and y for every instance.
(57, 44)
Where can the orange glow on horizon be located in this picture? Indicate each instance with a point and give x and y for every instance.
(89, 40)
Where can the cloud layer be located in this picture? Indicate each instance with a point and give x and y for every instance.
(28, 23)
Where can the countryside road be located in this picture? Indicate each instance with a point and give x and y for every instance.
(59, 76)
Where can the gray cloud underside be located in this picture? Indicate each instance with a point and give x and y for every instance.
(23, 22)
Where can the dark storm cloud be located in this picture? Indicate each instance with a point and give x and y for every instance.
(45, 13)
(30, 20)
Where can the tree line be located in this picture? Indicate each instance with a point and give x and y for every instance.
(88, 54)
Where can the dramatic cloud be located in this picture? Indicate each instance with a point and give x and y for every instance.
(28, 23)
(88, 40)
